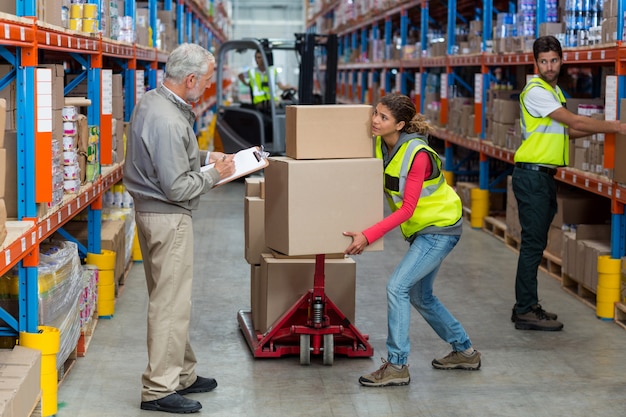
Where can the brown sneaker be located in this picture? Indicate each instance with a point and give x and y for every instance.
(549, 315)
(387, 375)
(537, 319)
(457, 360)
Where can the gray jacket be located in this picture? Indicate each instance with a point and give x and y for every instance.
(162, 166)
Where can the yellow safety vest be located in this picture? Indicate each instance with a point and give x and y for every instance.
(544, 140)
(261, 85)
(439, 205)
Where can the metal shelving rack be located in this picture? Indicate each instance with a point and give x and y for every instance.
(22, 40)
(609, 55)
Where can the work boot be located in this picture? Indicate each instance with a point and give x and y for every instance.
(173, 403)
(387, 375)
(549, 315)
(201, 384)
(458, 360)
(537, 319)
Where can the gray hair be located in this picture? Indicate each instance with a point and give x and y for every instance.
(187, 58)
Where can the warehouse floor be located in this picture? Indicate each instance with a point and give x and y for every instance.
(579, 371)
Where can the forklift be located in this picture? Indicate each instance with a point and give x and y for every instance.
(239, 125)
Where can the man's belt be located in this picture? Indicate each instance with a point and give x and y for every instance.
(536, 167)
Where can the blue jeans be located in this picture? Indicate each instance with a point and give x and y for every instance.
(412, 284)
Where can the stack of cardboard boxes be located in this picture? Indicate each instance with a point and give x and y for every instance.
(328, 183)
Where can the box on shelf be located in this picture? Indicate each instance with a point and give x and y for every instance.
(20, 381)
(309, 203)
(579, 208)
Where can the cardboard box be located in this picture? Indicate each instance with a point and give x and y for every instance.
(3, 119)
(255, 292)
(253, 187)
(329, 131)
(254, 229)
(20, 375)
(551, 28)
(283, 281)
(309, 203)
(593, 249)
(3, 174)
(505, 111)
(555, 241)
(9, 172)
(578, 208)
(112, 237)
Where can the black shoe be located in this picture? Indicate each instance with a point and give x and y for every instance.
(173, 403)
(549, 315)
(201, 384)
(537, 319)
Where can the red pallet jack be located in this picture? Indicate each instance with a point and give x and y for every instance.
(301, 328)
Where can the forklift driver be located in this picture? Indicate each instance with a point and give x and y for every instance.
(257, 80)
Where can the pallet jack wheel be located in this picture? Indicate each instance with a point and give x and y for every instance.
(305, 349)
(329, 349)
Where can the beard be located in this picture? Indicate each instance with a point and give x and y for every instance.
(550, 77)
(194, 95)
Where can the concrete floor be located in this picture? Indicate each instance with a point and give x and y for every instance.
(579, 371)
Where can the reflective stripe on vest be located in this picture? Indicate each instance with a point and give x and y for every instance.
(438, 205)
(544, 140)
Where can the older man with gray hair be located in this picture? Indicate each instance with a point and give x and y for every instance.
(162, 173)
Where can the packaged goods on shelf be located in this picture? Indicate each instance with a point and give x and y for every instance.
(88, 297)
(60, 283)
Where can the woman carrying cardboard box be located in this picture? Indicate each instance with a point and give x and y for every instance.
(429, 214)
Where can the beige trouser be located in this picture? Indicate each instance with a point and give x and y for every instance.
(166, 242)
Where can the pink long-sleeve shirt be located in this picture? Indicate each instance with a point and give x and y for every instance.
(420, 170)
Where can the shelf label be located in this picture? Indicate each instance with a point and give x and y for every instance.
(576, 56)
(478, 88)
(602, 54)
(47, 38)
(7, 32)
(40, 230)
(574, 179)
(587, 182)
(610, 102)
(33, 237)
(58, 218)
(443, 90)
(69, 210)
(22, 34)
(107, 92)
(418, 83)
(23, 243)
(7, 257)
(589, 55)
(47, 226)
(600, 187)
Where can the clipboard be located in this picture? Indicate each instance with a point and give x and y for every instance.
(247, 161)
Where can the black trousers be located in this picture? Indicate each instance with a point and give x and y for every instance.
(535, 193)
